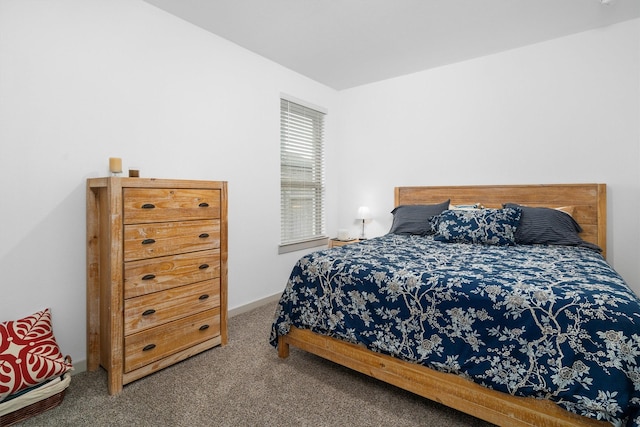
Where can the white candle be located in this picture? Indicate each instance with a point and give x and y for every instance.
(115, 164)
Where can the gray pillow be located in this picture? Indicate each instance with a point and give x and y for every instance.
(548, 226)
(414, 219)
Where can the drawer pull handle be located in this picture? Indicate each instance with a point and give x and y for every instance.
(204, 205)
(204, 235)
(148, 312)
(148, 206)
(204, 327)
(148, 276)
(148, 241)
(148, 347)
(203, 297)
(203, 266)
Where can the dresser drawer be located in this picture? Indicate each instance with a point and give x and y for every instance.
(142, 205)
(170, 238)
(154, 344)
(157, 274)
(152, 310)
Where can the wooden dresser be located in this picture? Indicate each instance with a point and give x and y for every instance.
(156, 273)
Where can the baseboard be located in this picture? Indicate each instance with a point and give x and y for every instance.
(79, 366)
(255, 304)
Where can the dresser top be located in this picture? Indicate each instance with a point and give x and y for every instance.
(152, 183)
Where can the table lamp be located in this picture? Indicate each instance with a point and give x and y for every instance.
(363, 214)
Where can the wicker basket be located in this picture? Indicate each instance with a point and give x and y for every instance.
(34, 402)
(32, 410)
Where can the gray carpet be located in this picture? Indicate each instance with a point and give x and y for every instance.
(246, 384)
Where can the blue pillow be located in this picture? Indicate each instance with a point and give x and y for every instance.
(414, 219)
(486, 226)
(546, 226)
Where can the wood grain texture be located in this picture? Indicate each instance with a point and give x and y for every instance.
(157, 274)
(144, 205)
(450, 390)
(186, 260)
(461, 394)
(143, 241)
(154, 309)
(589, 201)
(93, 279)
(170, 338)
(334, 243)
(145, 370)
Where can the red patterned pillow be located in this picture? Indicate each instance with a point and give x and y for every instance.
(29, 354)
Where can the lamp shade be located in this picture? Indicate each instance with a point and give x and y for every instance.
(364, 213)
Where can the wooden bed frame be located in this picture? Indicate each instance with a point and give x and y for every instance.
(589, 202)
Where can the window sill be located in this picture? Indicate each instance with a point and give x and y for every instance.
(297, 246)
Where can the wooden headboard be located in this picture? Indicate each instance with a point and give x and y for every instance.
(589, 201)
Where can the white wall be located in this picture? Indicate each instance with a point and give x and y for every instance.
(85, 80)
(562, 111)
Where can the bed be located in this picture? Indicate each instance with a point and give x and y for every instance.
(515, 333)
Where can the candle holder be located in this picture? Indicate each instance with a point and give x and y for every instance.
(115, 166)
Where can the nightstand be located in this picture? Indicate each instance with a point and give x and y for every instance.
(334, 243)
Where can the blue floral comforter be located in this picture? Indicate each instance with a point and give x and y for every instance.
(554, 322)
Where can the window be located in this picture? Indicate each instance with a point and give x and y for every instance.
(301, 177)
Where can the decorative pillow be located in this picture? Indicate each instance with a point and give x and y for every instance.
(567, 209)
(487, 226)
(29, 354)
(414, 219)
(547, 226)
(466, 207)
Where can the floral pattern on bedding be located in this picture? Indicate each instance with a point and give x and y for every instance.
(554, 322)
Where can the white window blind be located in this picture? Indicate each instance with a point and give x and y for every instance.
(301, 176)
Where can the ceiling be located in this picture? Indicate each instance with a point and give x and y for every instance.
(347, 43)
